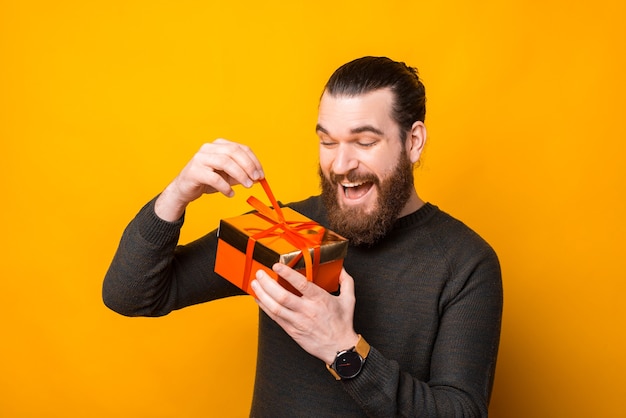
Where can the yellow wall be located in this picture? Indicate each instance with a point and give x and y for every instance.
(102, 102)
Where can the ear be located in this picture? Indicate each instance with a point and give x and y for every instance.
(416, 141)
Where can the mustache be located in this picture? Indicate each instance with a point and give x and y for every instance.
(353, 177)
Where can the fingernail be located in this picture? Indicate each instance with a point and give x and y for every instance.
(258, 175)
(248, 183)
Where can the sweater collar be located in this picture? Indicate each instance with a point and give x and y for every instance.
(418, 217)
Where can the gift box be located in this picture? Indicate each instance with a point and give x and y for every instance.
(258, 240)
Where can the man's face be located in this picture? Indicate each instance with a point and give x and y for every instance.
(366, 174)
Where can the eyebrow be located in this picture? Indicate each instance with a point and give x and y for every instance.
(357, 130)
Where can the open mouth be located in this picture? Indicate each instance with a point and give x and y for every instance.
(356, 190)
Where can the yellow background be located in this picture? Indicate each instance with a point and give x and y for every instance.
(103, 102)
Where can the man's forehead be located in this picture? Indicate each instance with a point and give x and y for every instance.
(366, 112)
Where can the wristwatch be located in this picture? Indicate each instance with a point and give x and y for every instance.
(349, 363)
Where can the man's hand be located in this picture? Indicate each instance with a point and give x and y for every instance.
(216, 167)
(319, 322)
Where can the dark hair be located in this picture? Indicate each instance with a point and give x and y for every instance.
(364, 75)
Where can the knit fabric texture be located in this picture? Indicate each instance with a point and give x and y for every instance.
(428, 301)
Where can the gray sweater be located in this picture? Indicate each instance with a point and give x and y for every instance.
(428, 301)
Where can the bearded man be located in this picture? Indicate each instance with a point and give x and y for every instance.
(415, 327)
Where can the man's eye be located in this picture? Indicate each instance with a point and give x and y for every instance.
(327, 143)
(367, 144)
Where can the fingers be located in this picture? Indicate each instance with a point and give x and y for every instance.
(216, 167)
(246, 164)
(223, 164)
(275, 300)
(297, 280)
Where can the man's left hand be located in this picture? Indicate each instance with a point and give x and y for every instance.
(321, 323)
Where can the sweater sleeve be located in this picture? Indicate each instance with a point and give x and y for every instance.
(462, 361)
(151, 275)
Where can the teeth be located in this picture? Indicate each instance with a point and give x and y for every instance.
(346, 185)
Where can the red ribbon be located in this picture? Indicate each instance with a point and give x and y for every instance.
(297, 233)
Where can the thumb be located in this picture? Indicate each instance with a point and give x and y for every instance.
(346, 283)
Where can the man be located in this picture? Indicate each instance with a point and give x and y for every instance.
(414, 330)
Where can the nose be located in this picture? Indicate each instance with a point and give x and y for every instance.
(345, 160)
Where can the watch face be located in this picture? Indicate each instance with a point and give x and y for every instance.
(348, 364)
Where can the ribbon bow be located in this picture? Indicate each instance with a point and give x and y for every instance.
(297, 233)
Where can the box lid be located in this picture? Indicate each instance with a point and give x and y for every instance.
(275, 248)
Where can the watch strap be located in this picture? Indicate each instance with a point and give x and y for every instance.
(362, 347)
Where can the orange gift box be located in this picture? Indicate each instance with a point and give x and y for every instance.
(258, 240)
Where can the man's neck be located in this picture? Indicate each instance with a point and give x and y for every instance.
(413, 204)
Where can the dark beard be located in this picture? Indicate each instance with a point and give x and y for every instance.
(366, 229)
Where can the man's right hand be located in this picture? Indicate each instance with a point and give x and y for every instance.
(216, 167)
